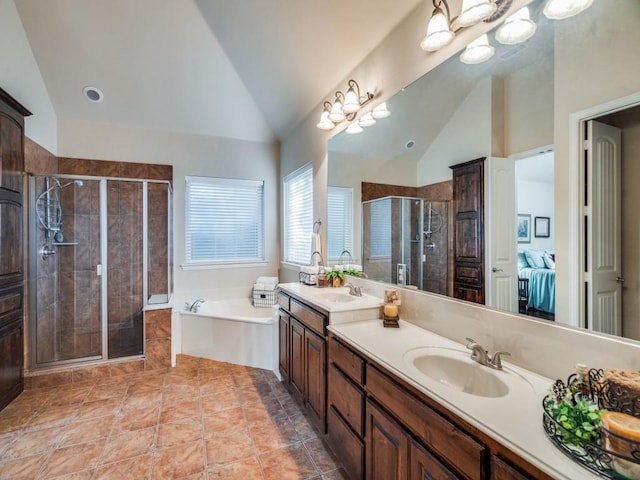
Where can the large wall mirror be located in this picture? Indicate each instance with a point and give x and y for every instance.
(518, 106)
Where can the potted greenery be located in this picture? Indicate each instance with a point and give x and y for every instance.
(336, 278)
(353, 272)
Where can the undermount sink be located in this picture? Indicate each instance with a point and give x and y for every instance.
(336, 297)
(455, 369)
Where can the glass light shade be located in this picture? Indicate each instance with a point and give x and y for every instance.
(336, 115)
(367, 120)
(325, 123)
(560, 9)
(474, 11)
(351, 102)
(517, 28)
(380, 111)
(439, 32)
(353, 128)
(478, 51)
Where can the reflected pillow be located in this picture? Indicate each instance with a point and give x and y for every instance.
(548, 261)
(535, 258)
(522, 261)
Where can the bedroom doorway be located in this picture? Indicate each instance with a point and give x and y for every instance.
(536, 237)
(611, 229)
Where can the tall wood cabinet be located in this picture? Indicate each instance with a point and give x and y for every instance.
(11, 248)
(468, 217)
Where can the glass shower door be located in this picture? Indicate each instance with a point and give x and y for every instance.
(66, 232)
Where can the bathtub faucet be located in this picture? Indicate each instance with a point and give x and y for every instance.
(195, 306)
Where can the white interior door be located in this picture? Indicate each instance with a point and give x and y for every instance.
(604, 269)
(500, 234)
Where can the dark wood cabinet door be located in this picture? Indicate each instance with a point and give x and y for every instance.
(315, 384)
(11, 153)
(11, 243)
(11, 355)
(468, 232)
(501, 470)
(387, 447)
(424, 466)
(296, 372)
(283, 344)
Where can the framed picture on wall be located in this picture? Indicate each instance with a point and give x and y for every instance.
(524, 228)
(541, 227)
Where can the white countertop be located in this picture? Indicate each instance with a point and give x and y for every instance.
(515, 420)
(326, 299)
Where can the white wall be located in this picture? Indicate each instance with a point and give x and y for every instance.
(536, 199)
(189, 155)
(20, 78)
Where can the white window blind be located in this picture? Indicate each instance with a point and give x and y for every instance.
(339, 222)
(224, 220)
(380, 228)
(298, 216)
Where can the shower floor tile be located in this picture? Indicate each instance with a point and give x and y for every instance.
(202, 420)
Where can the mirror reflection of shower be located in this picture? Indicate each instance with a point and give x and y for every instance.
(49, 212)
(434, 224)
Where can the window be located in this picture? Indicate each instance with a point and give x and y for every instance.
(298, 216)
(339, 222)
(380, 224)
(224, 221)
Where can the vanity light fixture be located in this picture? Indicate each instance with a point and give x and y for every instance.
(442, 29)
(477, 51)
(561, 9)
(344, 107)
(517, 28)
(367, 120)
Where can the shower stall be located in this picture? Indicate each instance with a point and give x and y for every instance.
(405, 241)
(100, 252)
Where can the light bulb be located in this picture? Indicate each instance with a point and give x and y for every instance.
(561, 9)
(439, 32)
(475, 10)
(478, 51)
(517, 28)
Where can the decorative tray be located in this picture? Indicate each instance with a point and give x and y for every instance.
(588, 448)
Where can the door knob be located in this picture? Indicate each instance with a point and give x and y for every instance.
(494, 269)
(620, 279)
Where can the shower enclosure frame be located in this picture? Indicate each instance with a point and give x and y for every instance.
(101, 269)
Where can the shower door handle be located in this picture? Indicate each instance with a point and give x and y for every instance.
(99, 270)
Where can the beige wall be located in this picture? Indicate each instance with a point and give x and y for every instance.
(189, 155)
(20, 78)
(596, 61)
(631, 232)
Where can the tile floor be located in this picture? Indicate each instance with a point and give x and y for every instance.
(201, 420)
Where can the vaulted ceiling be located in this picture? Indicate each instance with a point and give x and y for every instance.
(246, 69)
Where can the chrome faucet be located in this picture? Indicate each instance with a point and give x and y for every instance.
(195, 306)
(480, 355)
(353, 290)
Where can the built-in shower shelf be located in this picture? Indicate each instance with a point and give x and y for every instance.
(65, 244)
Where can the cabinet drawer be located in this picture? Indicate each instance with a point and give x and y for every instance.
(347, 399)
(351, 364)
(283, 300)
(424, 465)
(10, 304)
(453, 445)
(501, 470)
(312, 319)
(347, 446)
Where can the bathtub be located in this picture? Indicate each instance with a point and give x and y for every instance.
(231, 331)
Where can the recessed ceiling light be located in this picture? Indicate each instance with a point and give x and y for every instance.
(93, 94)
(409, 144)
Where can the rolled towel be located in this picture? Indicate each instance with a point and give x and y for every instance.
(259, 286)
(312, 269)
(269, 287)
(267, 280)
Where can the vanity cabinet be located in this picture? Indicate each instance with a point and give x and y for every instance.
(380, 427)
(468, 217)
(303, 355)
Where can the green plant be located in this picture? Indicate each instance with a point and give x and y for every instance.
(353, 272)
(580, 421)
(335, 274)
